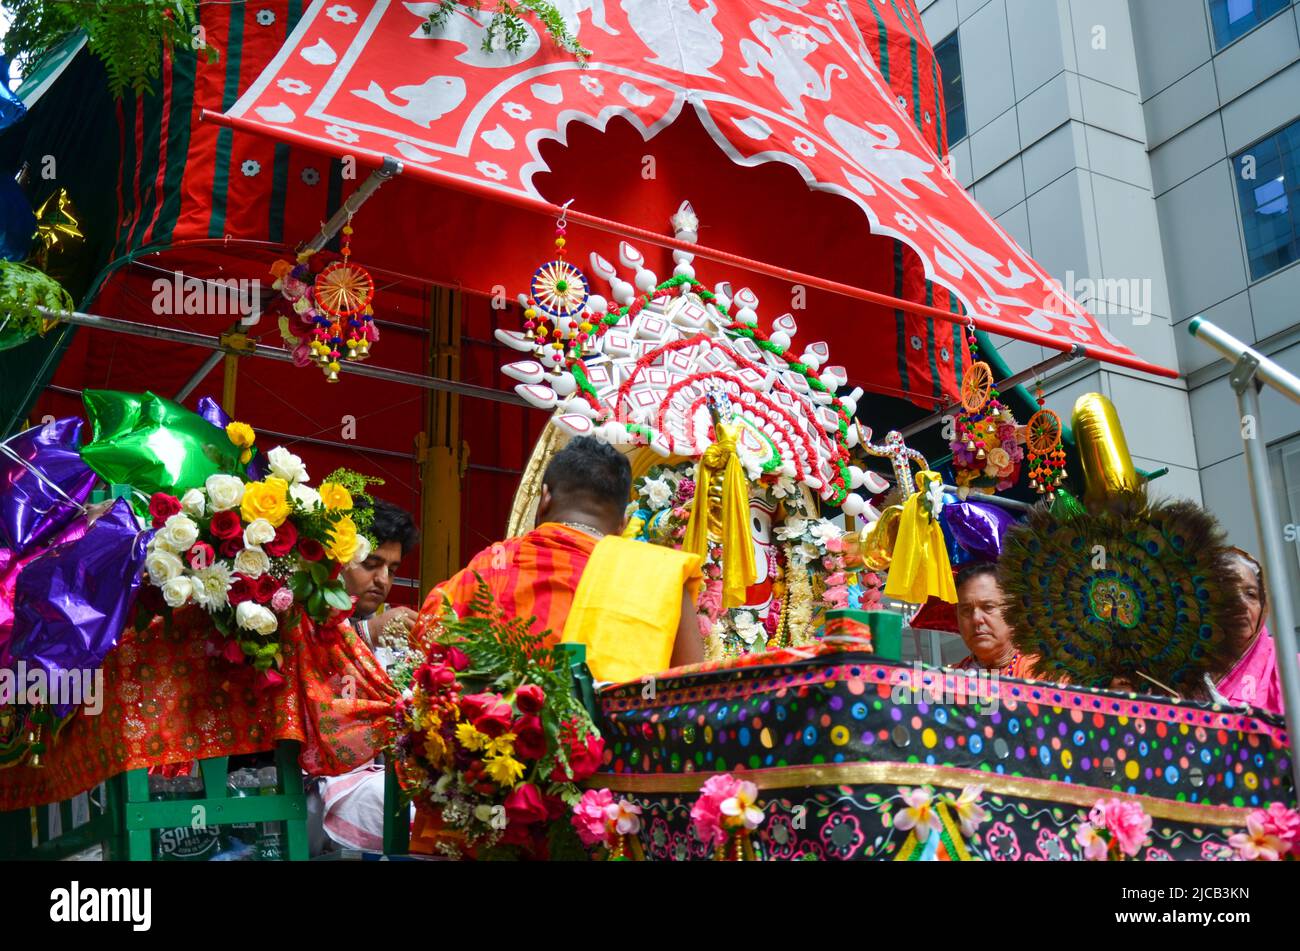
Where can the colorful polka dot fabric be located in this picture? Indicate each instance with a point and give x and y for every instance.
(835, 739)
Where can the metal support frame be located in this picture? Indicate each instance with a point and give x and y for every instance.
(1014, 504)
(116, 325)
(1038, 369)
(390, 168)
(1250, 370)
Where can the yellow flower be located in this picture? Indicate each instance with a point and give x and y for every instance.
(470, 738)
(504, 770)
(343, 540)
(241, 434)
(503, 745)
(268, 500)
(334, 496)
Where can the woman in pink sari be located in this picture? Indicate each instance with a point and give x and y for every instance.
(1253, 679)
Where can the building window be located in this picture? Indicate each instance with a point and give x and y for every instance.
(1236, 18)
(1268, 187)
(948, 54)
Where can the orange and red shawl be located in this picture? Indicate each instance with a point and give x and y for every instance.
(167, 701)
(534, 575)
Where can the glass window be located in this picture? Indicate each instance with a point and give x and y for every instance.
(948, 54)
(1234, 18)
(1268, 188)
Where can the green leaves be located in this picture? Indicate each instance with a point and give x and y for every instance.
(301, 585)
(336, 596)
(507, 30)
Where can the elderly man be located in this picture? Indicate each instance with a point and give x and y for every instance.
(982, 625)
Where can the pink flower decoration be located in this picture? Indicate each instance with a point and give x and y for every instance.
(835, 545)
(1282, 822)
(706, 813)
(1126, 822)
(1094, 846)
(282, 600)
(1258, 843)
(623, 817)
(301, 355)
(589, 816)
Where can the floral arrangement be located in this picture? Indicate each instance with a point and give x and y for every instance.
(1271, 835)
(1115, 828)
(256, 555)
(612, 826)
(662, 507)
(490, 738)
(726, 812)
(987, 449)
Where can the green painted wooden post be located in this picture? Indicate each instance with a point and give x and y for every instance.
(397, 815)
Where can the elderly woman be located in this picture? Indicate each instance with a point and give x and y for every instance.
(1253, 679)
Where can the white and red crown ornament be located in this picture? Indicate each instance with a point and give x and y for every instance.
(636, 368)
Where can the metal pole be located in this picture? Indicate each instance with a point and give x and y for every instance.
(387, 170)
(115, 325)
(1038, 369)
(204, 369)
(1288, 384)
(1014, 504)
(1268, 527)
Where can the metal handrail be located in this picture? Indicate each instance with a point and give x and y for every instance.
(1250, 369)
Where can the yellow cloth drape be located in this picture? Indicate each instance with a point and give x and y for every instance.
(628, 605)
(722, 461)
(920, 567)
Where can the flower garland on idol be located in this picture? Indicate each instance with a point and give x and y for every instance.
(258, 556)
(491, 740)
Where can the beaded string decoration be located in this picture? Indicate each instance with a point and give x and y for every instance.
(985, 438)
(1046, 457)
(343, 293)
(558, 293)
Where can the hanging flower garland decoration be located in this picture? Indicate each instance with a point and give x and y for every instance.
(1115, 828)
(725, 814)
(331, 315)
(987, 442)
(257, 557)
(602, 822)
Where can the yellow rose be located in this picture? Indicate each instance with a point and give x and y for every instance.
(343, 540)
(334, 496)
(241, 434)
(268, 500)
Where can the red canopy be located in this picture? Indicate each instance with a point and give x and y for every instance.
(771, 84)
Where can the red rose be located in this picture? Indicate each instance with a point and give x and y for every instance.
(525, 805)
(457, 658)
(434, 678)
(226, 525)
(495, 718)
(585, 757)
(267, 680)
(162, 507)
(232, 547)
(264, 587)
(286, 536)
(310, 549)
(530, 741)
(233, 652)
(242, 589)
(472, 705)
(556, 808)
(529, 698)
(202, 556)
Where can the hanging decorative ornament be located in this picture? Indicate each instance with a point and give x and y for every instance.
(332, 318)
(58, 237)
(554, 311)
(985, 442)
(1046, 457)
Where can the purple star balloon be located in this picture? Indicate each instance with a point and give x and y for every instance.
(72, 602)
(32, 509)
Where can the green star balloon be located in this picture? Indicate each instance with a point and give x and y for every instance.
(153, 443)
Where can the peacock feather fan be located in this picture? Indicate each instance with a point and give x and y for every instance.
(1138, 587)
